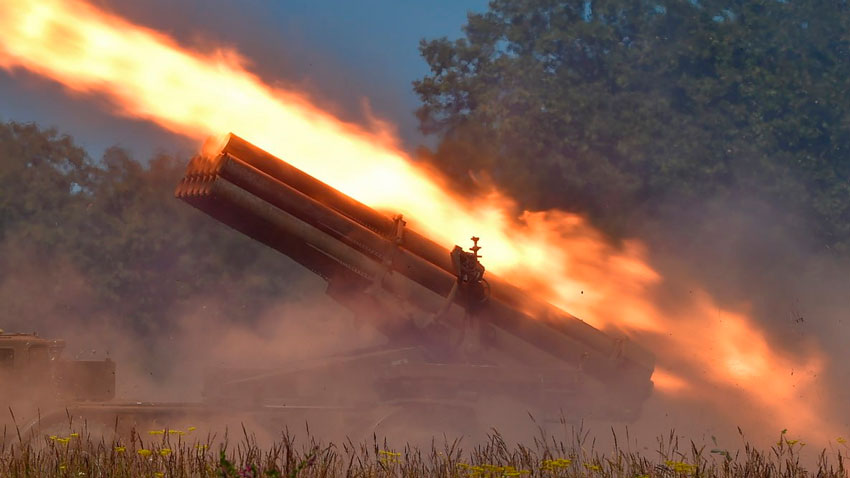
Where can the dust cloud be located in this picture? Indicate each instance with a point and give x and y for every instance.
(798, 296)
(741, 252)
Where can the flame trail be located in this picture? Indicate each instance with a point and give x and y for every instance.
(148, 75)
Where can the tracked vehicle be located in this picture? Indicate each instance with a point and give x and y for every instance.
(457, 338)
(35, 379)
(32, 369)
(464, 349)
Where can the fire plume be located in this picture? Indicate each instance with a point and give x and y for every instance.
(147, 75)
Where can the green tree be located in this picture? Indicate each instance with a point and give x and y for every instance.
(45, 183)
(148, 252)
(117, 222)
(630, 109)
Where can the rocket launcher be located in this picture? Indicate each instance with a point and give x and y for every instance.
(412, 289)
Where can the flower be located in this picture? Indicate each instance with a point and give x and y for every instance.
(144, 452)
(841, 440)
(247, 472)
(165, 451)
(120, 449)
(556, 464)
(389, 457)
(191, 429)
(512, 472)
(681, 467)
(156, 432)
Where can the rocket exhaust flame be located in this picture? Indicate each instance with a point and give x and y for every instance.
(555, 255)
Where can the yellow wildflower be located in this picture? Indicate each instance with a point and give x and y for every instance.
(144, 452)
(53, 437)
(191, 429)
(75, 435)
(389, 457)
(159, 474)
(176, 432)
(156, 432)
(165, 451)
(841, 440)
(555, 464)
(120, 449)
(592, 467)
(681, 467)
(62, 467)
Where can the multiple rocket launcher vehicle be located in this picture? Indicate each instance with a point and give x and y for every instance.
(458, 339)
(456, 336)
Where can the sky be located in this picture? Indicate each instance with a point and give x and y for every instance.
(351, 58)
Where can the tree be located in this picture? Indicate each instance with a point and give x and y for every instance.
(45, 181)
(629, 109)
(116, 222)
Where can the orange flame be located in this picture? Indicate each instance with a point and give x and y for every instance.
(148, 75)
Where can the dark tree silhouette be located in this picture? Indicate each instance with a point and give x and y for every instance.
(627, 110)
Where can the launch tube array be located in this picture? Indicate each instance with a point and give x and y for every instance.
(337, 237)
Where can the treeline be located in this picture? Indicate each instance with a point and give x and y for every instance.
(632, 111)
(626, 111)
(118, 225)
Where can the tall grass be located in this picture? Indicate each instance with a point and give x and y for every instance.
(182, 453)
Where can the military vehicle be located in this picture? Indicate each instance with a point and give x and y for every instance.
(464, 348)
(33, 367)
(34, 378)
(458, 339)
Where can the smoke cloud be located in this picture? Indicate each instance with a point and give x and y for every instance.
(731, 248)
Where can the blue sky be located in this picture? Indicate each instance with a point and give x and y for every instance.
(339, 52)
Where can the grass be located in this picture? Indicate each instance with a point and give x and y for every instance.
(184, 453)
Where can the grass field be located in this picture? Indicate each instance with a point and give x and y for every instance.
(187, 453)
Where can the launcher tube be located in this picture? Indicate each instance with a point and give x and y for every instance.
(336, 225)
(213, 192)
(437, 255)
(197, 192)
(259, 195)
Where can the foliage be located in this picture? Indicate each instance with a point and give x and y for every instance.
(45, 181)
(626, 110)
(116, 220)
